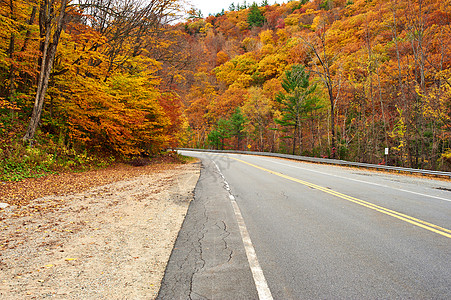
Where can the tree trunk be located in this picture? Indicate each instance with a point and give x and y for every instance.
(48, 57)
(300, 137)
(326, 76)
(28, 34)
(383, 111)
(332, 123)
(312, 129)
(11, 90)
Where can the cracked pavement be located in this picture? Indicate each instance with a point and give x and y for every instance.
(208, 260)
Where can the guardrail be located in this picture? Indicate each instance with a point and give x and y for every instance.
(330, 161)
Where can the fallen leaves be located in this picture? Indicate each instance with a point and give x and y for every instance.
(22, 192)
(75, 240)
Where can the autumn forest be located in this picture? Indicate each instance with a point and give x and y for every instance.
(116, 79)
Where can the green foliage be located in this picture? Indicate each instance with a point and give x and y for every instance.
(47, 155)
(326, 4)
(185, 159)
(19, 162)
(255, 17)
(237, 121)
(195, 13)
(228, 128)
(297, 100)
(16, 171)
(299, 5)
(218, 135)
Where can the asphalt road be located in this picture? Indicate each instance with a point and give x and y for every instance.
(318, 231)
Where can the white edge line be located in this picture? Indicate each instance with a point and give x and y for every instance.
(263, 290)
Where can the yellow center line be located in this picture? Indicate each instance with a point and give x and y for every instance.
(417, 222)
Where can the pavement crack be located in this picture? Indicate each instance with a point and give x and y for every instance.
(201, 263)
(230, 256)
(198, 296)
(224, 236)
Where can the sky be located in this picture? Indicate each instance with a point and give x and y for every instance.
(215, 6)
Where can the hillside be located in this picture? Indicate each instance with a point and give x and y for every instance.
(381, 70)
(90, 82)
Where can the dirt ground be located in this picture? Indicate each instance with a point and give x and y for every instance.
(107, 238)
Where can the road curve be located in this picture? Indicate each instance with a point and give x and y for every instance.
(326, 232)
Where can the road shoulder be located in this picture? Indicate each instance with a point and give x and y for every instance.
(208, 260)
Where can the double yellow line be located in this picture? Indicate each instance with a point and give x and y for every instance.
(417, 222)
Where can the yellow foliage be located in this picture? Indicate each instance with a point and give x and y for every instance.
(121, 115)
(437, 102)
(272, 65)
(243, 25)
(4, 104)
(179, 78)
(272, 87)
(292, 4)
(292, 20)
(447, 154)
(243, 81)
(206, 28)
(257, 109)
(224, 105)
(267, 50)
(266, 37)
(283, 35)
(317, 21)
(238, 70)
(399, 131)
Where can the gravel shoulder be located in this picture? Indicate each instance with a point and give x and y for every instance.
(111, 241)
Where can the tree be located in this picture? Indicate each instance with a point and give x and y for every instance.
(18, 55)
(323, 62)
(195, 13)
(296, 101)
(218, 135)
(237, 121)
(126, 30)
(48, 22)
(255, 17)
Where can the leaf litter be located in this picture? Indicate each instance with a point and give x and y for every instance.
(104, 234)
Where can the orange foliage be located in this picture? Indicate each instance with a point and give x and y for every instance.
(129, 91)
(378, 55)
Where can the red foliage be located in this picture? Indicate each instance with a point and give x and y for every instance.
(280, 24)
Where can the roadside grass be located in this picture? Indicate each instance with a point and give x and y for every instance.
(19, 161)
(46, 156)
